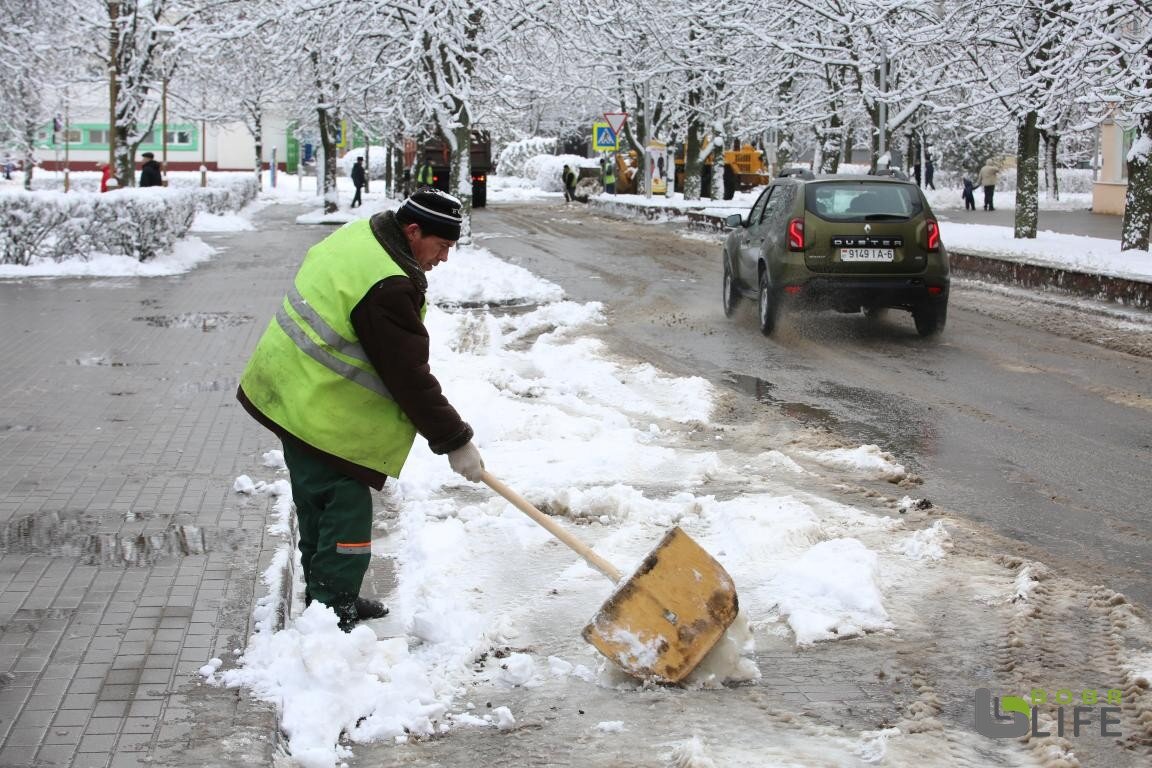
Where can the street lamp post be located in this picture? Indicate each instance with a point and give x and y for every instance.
(164, 35)
(164, 132)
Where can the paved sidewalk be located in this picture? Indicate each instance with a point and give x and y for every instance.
(1083, 223)
(126, 561)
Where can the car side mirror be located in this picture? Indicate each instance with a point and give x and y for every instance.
(734, 221)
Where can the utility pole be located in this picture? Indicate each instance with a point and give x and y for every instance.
(883, 141)
(647, 139)
(113, 79)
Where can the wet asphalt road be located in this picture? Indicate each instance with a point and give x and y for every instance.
(1024, 415)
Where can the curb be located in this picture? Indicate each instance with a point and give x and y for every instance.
(1118, 290)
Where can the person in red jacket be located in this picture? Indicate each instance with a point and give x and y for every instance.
(105, 174)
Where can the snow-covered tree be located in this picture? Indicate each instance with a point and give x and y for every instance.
(35, 67)
(1121, 69)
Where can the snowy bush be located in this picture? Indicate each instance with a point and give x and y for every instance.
(514, 157)
(134, 223)
(138, 223)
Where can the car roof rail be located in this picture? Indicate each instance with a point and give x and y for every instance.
(796, 173)
(895, 173)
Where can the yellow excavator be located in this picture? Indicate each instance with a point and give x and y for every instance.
(747, 161)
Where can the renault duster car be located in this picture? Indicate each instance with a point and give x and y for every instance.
(846, 243)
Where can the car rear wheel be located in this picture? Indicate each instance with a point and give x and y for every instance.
(930, 318)
(768, 305)
(731, 295)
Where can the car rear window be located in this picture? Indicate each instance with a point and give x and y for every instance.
(852, 200)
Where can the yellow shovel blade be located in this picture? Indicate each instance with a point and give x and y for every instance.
(661, 622)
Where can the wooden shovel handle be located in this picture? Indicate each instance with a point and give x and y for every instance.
(553, 527)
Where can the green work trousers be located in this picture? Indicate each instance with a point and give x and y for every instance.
(334, 517)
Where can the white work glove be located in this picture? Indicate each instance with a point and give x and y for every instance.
(466, 461)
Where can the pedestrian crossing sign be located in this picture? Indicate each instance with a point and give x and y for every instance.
(603, 138)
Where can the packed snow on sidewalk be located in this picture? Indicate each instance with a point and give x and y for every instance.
(603, 444)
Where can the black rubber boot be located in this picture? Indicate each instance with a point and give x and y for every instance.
(370, 609)
(352, 611)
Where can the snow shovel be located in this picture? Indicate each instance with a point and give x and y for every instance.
(662, 620)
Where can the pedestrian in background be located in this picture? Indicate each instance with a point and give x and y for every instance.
(729, 181)
(9, 166)
(610, 175)
(989, 175)
(150, 172)
(569, 180)
(105, 175)
(358, 181)
(969, 195)
(346, 427)
(929, 172)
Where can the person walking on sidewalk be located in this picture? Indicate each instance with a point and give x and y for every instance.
(989, 175)
(150, 175)
(341, 376)
(968, 195)
(358, 181)
(569, 180)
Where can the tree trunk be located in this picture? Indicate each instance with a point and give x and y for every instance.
(460, 177)
(830, 141)
(716, 189)
(1027, 176)
(258, 136)
(693, 166)
(1051, 148)
(1138, 198)
(328, 142)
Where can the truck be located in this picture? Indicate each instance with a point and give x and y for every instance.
(438, 153)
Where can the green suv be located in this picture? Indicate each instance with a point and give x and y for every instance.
(848, 243)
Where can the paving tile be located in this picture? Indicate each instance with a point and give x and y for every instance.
(25, 737)
(56, 754)
(101, 743)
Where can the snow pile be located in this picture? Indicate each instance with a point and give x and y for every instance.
(327, 682)
(866, 460)
(873, 747)
(929, 544)
(832, 591)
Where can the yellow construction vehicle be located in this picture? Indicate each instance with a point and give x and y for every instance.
(747, 161)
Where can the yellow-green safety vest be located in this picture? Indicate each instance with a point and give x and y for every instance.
(424, 174)
(609, 173)
(309, 373)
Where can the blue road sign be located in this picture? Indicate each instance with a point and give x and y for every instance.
(603, 139)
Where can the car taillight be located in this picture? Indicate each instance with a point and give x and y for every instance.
(796, 234)
(933, 244)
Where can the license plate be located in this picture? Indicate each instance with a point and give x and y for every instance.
(867, 254)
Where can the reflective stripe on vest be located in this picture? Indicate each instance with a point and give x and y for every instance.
(367, 379)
